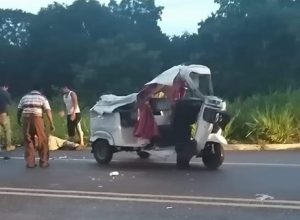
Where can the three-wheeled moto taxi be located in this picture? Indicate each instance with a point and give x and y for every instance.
(177, 108)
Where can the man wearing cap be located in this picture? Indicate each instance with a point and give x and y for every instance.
(31, 108)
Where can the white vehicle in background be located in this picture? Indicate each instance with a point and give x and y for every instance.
(113, 119)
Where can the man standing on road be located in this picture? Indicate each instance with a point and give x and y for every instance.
(74, 116)
(31, 107)
(5, 101)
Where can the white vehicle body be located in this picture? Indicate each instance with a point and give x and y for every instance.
(113, 118)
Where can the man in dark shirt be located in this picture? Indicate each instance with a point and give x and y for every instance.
(5, 101)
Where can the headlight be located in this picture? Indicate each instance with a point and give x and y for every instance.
(223, 108)
(214, 102)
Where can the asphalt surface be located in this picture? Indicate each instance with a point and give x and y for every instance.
(250, 185)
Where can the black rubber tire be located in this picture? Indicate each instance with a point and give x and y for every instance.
(102, 151)
(143, 154)
(213, 160)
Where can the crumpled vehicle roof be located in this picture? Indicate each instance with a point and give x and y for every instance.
(108, 103)
(167, 77)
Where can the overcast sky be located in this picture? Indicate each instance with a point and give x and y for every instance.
(178, 15)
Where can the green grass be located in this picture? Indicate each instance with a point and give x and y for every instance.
(273, 125)
(59, 122)
(273, 118)
(17, 137)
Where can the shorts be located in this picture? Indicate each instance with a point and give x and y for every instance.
(73, 125)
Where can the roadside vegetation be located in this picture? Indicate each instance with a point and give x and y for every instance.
(272, 118)
(60, 125)
(259, 119)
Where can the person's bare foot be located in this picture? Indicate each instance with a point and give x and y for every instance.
(44, 165)
(31, 166)
(80, 147)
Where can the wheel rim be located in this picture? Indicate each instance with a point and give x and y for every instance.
(101, 152)
(213, 156)
(144, 155)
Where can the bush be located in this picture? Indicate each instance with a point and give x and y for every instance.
(17, 136)
(273, 118)
(273, 125)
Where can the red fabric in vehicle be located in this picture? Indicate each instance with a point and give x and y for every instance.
(146, 126)
(177, 91)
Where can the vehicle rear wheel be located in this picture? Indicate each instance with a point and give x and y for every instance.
(213, 155)
(143, 154)
(102, 151)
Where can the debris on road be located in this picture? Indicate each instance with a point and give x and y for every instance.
(115, 173)
(5, 158)
(92, 178)
(263, 197)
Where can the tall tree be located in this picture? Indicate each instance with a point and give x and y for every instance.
(252, 44)
(116, 66)
(142, 17)
(14, 26)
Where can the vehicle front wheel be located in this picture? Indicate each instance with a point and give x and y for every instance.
(143, 154)
(102, 151)
(213, 155)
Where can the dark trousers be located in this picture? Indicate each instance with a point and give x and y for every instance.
(73, 125)
(33, 125)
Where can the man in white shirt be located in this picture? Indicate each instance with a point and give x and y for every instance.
(73, 115)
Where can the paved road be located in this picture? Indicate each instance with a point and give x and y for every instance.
(75, 187)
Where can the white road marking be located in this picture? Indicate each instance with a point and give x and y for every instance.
(173, 162)
(150, 198)
(36, 190)
(264, 164)
(263, 197)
